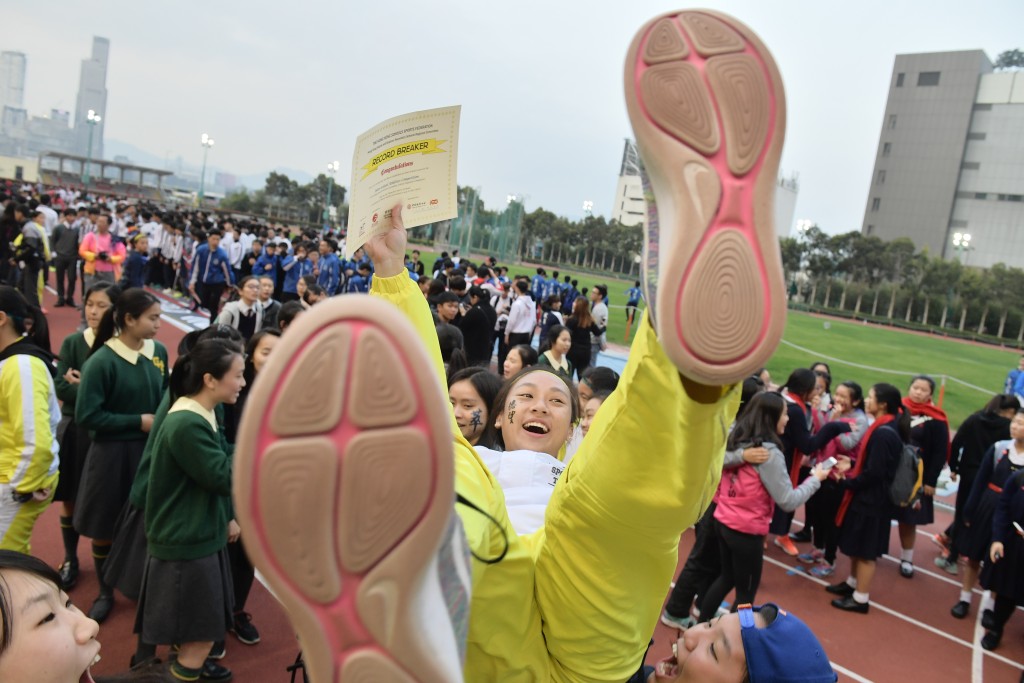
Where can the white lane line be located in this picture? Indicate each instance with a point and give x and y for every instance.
(849, 674)
(181, 326)
(900, 615)
(977, 655)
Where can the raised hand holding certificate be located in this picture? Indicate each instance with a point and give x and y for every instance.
(410, 160)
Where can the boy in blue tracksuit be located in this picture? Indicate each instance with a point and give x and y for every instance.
(633, 295)
(211, 274)
(295, 267)
(553, 286)
(537, 285)
(266, 262)
(330, 267)
(360, 282)
(135, 264)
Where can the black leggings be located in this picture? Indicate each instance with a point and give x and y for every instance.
(1002, 611)
(821, 516)
(701, 569)
(742, 559)
(242, 574)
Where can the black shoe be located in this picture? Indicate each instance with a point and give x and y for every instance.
(802, 536)
(988, 620)
(70, 303)
(68, 575)
(217, 651)
(960, 609)
(841, 588)
(244, 630)
(101, 607)
(212, 671)
(59, 304)
(848, 604)
(145, 664)
(990, 640)
(906, 569)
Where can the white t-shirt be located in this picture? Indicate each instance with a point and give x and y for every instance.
(527, 479)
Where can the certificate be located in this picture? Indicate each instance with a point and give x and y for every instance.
(408, 160)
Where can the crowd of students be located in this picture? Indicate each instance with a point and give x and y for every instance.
(837, 452)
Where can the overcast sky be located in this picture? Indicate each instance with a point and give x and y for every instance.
(540, 82)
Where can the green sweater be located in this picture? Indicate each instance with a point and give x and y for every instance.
(140, 486)
(188, 504)
(73, 353)
(115, 393)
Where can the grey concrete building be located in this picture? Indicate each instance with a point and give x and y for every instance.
(950, 158)
(92, 94)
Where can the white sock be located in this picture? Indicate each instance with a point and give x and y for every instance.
(965, 596)
(851, 582)
(988, 602)
(907, 556)
(861, 598)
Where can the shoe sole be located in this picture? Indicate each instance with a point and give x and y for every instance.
(708, 110)
(344, 482)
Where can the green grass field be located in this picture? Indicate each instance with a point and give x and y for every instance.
(853, 344)
(906, 353)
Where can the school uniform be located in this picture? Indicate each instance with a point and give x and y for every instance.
(246, 319)
(186, 590)
(330, 274)
(996, 469)
(561, 368)
(866, 510)
(118, 386)
(929, 431)
(74, 441)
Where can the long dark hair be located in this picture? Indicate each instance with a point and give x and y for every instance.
(133, 302)
(33, 566)
(209, 356)
(752, 386)
(1001, 402)
(759, 422)
(486, 384)
(493, 434)
(801, 382)
(551, 337)
(19, 310)
(893, 400)
(250, 350)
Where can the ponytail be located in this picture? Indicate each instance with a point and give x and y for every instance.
(133, 302)
(40, 332)
(207, 357)
(903, 423)
(890, 396)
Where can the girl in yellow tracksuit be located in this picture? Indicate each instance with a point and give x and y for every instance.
(556, 607)
(29, 414)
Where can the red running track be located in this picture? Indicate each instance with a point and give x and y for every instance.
(909, 634)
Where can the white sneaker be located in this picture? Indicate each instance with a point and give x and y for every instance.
(344, 483)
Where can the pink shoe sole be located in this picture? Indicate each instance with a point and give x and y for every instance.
(708, 109)
(344, 487)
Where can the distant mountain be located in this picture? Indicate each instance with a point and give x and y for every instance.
(252, 181)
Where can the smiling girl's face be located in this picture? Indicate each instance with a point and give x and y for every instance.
(51, 641)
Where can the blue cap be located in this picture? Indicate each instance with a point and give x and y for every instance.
(784, 651)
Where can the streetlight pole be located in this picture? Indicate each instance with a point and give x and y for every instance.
(91, 120)
(332, 170)
(207, 143)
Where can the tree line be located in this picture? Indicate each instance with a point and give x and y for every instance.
(284, 199)
(862, 276)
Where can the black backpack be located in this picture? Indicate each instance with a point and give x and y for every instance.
(905, 487)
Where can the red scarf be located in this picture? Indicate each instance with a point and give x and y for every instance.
(798, 457)
(857, 468)
(928, 410)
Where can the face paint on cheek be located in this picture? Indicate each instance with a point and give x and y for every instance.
(511, 410)
(475, 421)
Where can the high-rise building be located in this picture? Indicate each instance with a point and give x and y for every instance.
(628, 207)
(12, 80)
(92, 94)
(950, 159)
